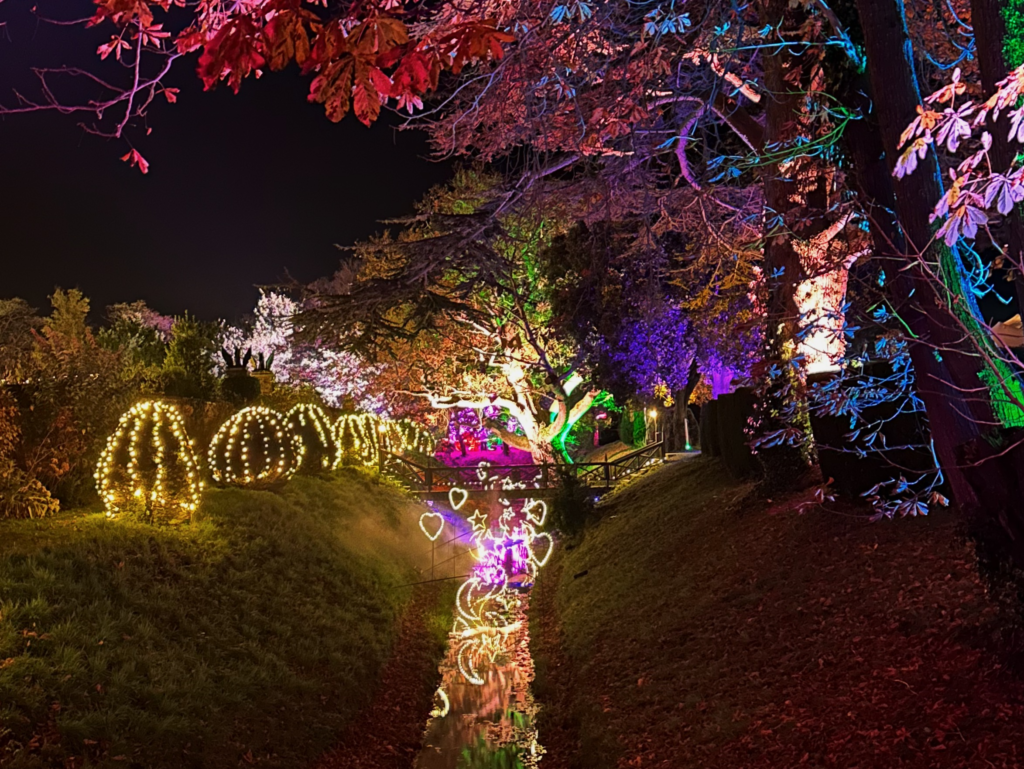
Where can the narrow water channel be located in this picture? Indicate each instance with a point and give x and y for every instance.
(485, 718)
(484, 715)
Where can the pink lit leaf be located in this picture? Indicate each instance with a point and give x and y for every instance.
(955, 127)
(1004, 192)
(970, 162)
(1016, 125)
(907, 162)
(948, 92)
(964, 221)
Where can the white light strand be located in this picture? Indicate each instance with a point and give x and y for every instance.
(149, 462)
(312, 426)
(255, 448)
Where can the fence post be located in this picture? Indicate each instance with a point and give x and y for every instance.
(428, 478)
(545, 480)
(608, 474)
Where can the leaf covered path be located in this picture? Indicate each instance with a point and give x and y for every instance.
(389, 732)
(712, 629)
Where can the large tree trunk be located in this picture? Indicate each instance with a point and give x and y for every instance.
(792, 192)
(956, 401)
(675, 428)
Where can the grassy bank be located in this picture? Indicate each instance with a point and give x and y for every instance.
(251, 637)
(699, 626)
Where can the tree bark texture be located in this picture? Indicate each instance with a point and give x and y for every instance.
(947, 374)
(989, 33)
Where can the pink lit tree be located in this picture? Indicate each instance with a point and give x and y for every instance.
(335, 375)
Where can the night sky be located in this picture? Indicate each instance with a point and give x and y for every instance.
(242, 190)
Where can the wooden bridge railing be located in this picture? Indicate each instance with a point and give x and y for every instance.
(437, 480)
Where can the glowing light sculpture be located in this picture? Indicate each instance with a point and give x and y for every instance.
(414, 437)
(312, 426)
(363, 436)
(255, 448)
(358, 439)
(149, 467)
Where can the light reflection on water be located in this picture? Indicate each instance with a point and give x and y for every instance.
(488, 725)
(484, 716)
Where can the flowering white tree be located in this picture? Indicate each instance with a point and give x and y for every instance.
(335, 375)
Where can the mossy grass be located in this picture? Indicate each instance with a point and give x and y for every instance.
(254, 634)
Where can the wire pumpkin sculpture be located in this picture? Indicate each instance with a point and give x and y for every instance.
(255, 448)
(149, 469)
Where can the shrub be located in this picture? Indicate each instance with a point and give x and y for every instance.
(22, 496)
(240, 389)
(321, 452)
(573, 504)
(149, 470)
(188, 366)
(255, 448)
(70, 402)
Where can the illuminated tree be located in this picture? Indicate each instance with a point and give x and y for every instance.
(149, 470)
(71, 397)
(255, 448)
(189, 365)
(454, 315)
(321, 451)
(360, 57)
(334, 375)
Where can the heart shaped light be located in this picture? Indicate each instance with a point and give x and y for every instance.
(432, 525)
(541, 547)
(455, 493)
(537, 511)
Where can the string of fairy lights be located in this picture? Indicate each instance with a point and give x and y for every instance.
(255, 448)
(314, 429)
(489, 638)
(362, 438)
(508, 549)
(150, 465)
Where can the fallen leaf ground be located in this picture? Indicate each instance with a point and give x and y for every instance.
(389, 732)
(699, 626)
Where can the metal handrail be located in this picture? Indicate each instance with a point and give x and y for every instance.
(426, 476)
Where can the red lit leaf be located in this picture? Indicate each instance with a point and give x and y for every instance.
(333, 88)
(171, 94)
(286, 38)
(136, 160)
(232, 54)
(123, 12)
(115, 44)
(381, 82)
(366, 98)
(475, 42)
(379, 35)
